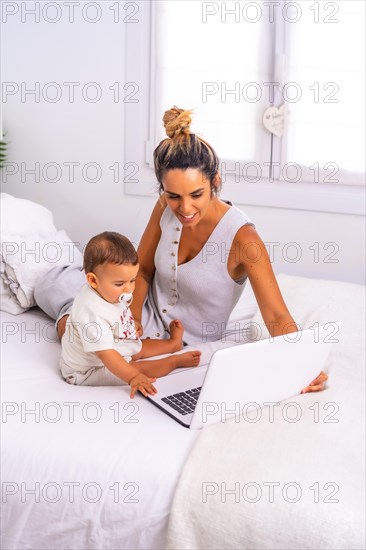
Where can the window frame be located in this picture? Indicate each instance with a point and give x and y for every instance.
(326, 172)
(139, 136)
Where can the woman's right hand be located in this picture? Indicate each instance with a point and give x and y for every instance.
(139, 329)
(61, 326)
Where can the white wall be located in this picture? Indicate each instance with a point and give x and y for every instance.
(65, 131)
(87, 132)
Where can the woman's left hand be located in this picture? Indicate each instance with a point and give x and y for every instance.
(317, 384)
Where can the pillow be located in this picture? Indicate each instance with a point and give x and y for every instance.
(25, 259)
(7, 301)
(23, 217)
(27, 226)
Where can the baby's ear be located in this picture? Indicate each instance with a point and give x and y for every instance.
(92, 279)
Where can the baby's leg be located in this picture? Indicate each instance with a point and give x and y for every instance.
(160, 347)
(103, 377)
(161, 367)
(95, 376)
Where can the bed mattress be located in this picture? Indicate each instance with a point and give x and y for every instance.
(82, 467)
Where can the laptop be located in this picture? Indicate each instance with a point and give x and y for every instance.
(245, 377)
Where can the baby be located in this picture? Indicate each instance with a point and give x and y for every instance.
(100, 346)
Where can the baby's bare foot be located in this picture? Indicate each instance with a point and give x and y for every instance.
(176, 330)
(188, 359)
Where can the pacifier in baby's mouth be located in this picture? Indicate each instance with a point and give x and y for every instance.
(126, 298)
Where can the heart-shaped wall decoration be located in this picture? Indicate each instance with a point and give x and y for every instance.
(274, 120)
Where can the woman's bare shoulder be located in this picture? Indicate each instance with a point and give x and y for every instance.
(152, 233)
(251, 247)
(150, 238)
(158, 209)
(246, 234)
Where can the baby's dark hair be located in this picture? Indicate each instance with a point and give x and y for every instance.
(183, 150)
(109, 247)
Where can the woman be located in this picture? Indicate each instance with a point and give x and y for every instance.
(196, 253)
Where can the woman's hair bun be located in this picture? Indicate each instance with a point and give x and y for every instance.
(177, 121)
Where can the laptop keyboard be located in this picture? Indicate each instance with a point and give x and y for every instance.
(183, 402)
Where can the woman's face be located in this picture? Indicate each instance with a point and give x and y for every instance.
(188, 194)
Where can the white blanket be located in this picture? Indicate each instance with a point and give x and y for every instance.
(279, 483)
(24, 260)
(30, 246)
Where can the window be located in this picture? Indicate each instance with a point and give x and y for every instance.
(213, 68)
(230, 61)
(325, 56)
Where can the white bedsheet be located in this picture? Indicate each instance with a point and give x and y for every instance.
(131, 452)
(128, 460)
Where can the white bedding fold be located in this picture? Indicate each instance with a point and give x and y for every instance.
(25, 259)
(30, 246)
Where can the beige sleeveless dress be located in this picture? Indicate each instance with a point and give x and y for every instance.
(200, 293)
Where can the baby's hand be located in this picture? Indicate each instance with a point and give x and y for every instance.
(143, 384)
(317, 384)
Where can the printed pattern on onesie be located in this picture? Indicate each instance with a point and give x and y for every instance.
(127, 330)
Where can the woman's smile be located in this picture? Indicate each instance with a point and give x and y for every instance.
(187, 218)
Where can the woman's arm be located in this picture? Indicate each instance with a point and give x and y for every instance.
(255, 263)
(146, 252)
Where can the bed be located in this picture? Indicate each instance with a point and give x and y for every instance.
(88, 468)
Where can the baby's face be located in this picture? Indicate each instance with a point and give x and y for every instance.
(112, 280)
